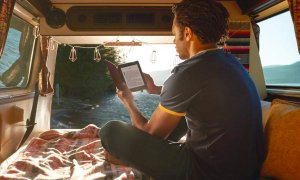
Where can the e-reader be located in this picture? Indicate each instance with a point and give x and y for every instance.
(133, 75)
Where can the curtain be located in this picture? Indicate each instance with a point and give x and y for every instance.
(45, 87)
(6, 9)
(295, 12)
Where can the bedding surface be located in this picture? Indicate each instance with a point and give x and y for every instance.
(72, 155)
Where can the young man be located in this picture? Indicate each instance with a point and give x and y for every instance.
(214, 93)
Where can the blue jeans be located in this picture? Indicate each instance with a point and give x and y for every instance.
(154, 156)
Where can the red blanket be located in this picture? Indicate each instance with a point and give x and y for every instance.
(72, 155)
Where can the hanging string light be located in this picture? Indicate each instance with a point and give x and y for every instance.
(97, 55)
(153, 58)
(73, 55)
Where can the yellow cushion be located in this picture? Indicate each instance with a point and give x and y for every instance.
(282, 133)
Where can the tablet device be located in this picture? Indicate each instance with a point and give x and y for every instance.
(133, 75)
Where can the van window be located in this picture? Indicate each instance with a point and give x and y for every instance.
(89, 97)
(278, 51)
(15, 61)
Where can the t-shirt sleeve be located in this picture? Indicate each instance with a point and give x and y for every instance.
(177, 94)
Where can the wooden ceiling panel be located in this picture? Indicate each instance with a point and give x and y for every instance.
(115, 1)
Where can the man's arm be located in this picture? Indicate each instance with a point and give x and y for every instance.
(160, 124)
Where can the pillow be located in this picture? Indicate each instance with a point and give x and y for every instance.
(282, 134)
(265, 107)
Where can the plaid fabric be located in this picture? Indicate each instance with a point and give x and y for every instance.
(72, 155)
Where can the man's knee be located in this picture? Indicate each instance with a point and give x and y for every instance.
(109, 133)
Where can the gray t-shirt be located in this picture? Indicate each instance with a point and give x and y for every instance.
(223, 113)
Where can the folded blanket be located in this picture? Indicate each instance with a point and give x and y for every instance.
(72, 155)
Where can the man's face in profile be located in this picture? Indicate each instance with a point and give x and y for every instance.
(179, 41)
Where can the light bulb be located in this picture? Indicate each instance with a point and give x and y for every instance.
(73, 55)
(97, 55)
(153, 58)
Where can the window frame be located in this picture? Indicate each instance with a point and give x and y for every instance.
(31, 58)
(18, 14)
(280, 89)
(15, 94)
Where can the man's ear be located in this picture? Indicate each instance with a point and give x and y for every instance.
(188, 33)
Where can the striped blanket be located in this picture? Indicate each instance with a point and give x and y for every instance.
(72, 155)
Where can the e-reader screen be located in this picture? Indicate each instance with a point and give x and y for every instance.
(133, 75)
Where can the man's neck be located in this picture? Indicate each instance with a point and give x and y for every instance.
(203, 47)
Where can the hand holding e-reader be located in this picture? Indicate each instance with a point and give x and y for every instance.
(129, 74)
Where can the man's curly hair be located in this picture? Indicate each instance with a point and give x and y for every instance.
(208, 19)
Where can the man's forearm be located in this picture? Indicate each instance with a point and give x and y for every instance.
(158, 89)
(137, 119)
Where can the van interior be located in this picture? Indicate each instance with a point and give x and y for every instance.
(56, 91)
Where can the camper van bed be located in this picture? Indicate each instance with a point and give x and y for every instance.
(56, 154)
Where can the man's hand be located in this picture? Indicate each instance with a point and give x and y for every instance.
(125, 95)
(151, 87)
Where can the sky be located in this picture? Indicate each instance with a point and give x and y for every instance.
(278, 44)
